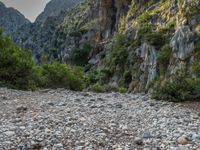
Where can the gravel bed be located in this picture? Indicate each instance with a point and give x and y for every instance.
(66, 120)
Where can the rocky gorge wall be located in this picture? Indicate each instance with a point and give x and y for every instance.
(155, 31)
(125, 43)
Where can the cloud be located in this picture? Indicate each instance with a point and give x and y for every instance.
(29, 8)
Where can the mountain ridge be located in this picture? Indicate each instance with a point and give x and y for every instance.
(11, 19)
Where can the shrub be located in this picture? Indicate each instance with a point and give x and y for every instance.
(104, 75)
(92, 77)
(98, 88)
(164, 58)
(144, 18)
(127, 77)
(197, 45)
(155, 39)
(16, 65)
(119, 53)
(180, 87)
(80, 56)
(62, 76)
(123, 90)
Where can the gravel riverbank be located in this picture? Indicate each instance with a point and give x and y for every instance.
(67, 120)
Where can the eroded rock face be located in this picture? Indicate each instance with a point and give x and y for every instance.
(148, 64)
(183, 42)
(110, 13)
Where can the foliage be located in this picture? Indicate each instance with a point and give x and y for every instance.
(145, 17)
(180, 87)
(16, 65)
(147, 34)
(98, 88)
(164, 58)
(119, 53)
(80, 56)
(155, 38)
(127, 77)
(62, 76)
(123, 90)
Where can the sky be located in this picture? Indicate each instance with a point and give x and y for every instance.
(29, 8)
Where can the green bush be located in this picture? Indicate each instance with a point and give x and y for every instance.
(98, 88)
(123, 90)
(118, 52)
(144, 18)
(62, 76)
(80, 56)
(180, 87)
(16, 65)
(164, 58)
(155, 39)
(127, 77)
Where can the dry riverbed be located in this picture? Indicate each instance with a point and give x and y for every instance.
(67, 120)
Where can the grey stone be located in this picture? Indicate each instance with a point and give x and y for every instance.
(138, 141)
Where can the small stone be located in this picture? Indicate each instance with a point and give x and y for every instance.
(37, 146)
(5, 98)
(9, 133)
(77, 100)
(100, 99)
(59, 145)
(21, 109)
(175, 148)
(79, 148)
(22, 127)
(51, 104)
(138, 141)
(182, 140)
(8, 142)
(119, 106)
(147, 135)
(92, 100)
(151, 104)
(196, 137)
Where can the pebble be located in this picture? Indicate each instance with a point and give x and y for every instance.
(9, 133)
(138, 141)
(182, 140)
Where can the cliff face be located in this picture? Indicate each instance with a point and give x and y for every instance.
(11, 19)
(132, 43)
(140, 41)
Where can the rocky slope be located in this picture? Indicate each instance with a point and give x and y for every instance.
(11, 19)
(62, 120)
